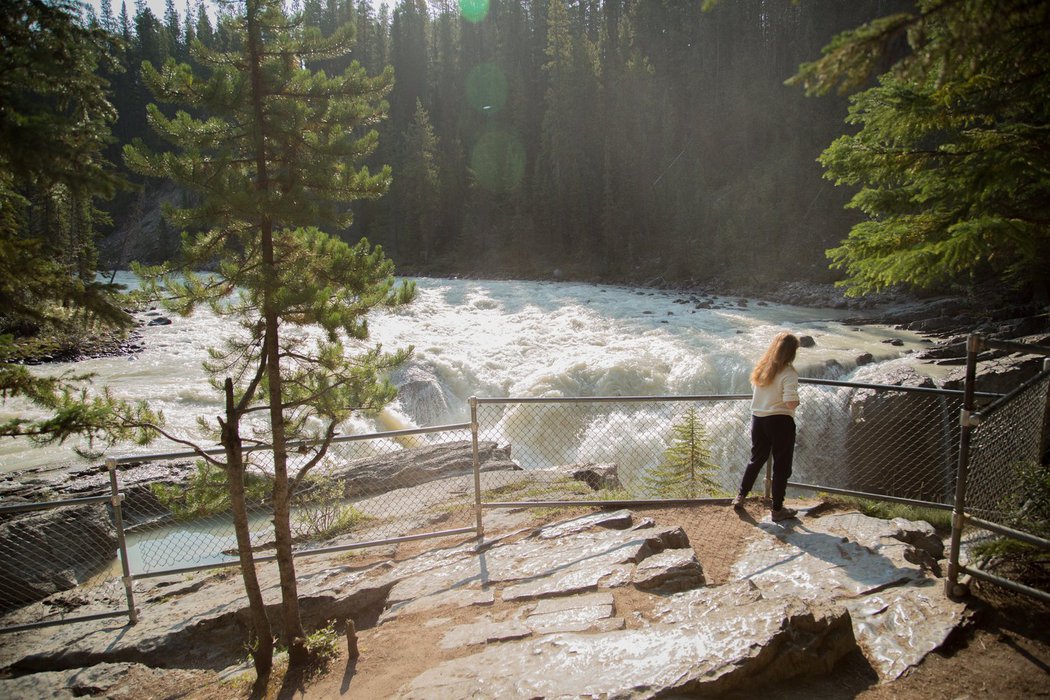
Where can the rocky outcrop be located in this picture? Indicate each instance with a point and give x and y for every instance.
(53, 550)
(707, 641)
(423, 396)
(900, 442)
(418, 465)
(805, 594)
(597, 476)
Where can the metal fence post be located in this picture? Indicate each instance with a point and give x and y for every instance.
(967, 422)
(116, 499)
(1044, 442)
(477, 465)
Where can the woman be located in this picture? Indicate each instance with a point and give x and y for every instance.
(775, 383)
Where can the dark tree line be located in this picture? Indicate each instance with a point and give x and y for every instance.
(618, 139)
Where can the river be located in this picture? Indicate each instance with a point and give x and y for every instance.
(502, 338)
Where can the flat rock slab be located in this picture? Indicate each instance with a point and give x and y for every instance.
(715, 643)
(542, 611)
(670, 570)
(484, 631)
(583, 613)
(576, 556)
(879, 569)
(103, 679)
(835, 556)
(897, 628)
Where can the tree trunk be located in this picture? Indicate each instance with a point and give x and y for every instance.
(292, 625)
(262, 655)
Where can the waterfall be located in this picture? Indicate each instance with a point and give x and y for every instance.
(509, 338)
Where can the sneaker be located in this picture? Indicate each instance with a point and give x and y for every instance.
(782, 514)
(738, 502)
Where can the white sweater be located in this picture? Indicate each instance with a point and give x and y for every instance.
(772, 400)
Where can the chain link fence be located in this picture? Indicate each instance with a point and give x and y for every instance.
(59, 563)
(368, 488)
(868, 440)
(880, 441)
(616, 449)
(898, 443)
(1005, 450)
(1003, 491)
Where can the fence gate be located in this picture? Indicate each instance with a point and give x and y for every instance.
(1002, 487)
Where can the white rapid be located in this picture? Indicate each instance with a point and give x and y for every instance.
(492, 338)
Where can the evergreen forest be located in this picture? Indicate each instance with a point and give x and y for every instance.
(617, 140)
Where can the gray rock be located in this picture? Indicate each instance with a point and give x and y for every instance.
(94, 681)
(807, 594)
(878, 420)
(880, 570)
(723, 647)
(584, 613)
(897, 628)
(832, 557)
(411, 467)
(484, 631)
(53, 550)
(670, 570)
(999, 375)
(422, 395)
(597, 476)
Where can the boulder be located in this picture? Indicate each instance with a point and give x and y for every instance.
(53, 550)
(597, 476)
(898, 441)
(710, 643)
(422, 395)
(417, 465)
(998, 376)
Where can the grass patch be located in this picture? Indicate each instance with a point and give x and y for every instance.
(941, 519)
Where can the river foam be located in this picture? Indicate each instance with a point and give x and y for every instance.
(505, 338)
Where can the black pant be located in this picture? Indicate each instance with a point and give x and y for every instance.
(774, 434)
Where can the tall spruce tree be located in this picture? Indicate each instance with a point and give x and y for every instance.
(54, 125)
(273, 157)
(952, 154)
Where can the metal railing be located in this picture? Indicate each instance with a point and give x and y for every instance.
(62, 546)
(369, 490)
(369, 484)
(891, 443)
(1002, 486)
(885, 442)
(866, 440)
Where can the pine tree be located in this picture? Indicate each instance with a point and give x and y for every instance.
(106, 19)
(953, 146)
(203, 31)
(54, 125)
(274, 159)
(418, 185)
(124, 23)
(686, 470)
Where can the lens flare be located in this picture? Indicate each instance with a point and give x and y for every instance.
(498, 160)
(486, 88)
(474, 10)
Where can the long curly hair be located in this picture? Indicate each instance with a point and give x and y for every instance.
(779, 354)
